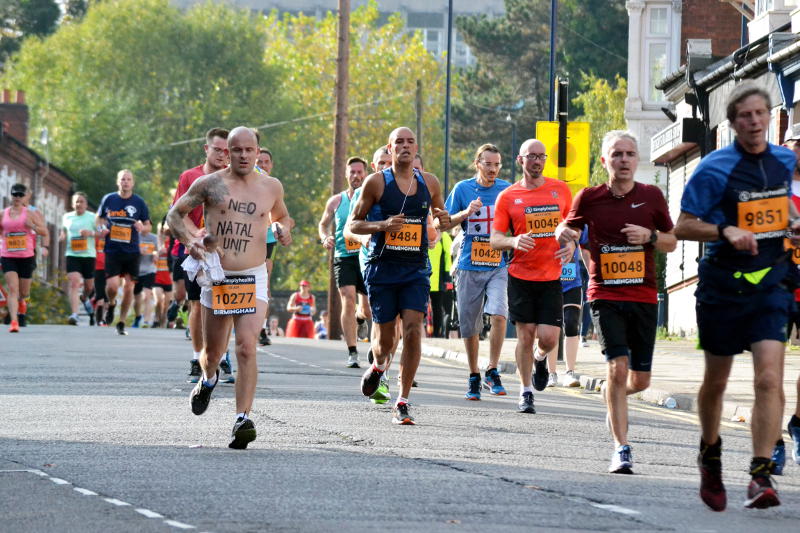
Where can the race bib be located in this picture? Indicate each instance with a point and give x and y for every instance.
(483, 255)
(407, 239)
(162, 265)
(542, 220)
(766, 217)
(622, 265)
(147, 248)
(351, 245)
(17, 241)
(79, 244)
(787, 245)
(569, 272)
(120, 233)
(236, 295)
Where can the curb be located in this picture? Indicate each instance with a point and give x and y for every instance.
(731, 411)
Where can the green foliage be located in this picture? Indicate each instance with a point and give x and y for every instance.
(20, 19)
(47, 303)
(118, 88)
(513, 65)
(604, 106)
(385, 63)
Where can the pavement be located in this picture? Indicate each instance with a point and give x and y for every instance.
(678, 368)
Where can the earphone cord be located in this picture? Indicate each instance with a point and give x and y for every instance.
(402, 206)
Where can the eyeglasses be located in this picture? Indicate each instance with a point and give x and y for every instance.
(534, 157)
(18, 194)
(490, 165)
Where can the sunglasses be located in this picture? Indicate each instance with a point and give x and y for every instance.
(18, 194)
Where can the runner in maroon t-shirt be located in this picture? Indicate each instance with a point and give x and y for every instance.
(216, 143)
(627, 221)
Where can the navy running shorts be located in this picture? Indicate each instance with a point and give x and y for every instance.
(394, 286)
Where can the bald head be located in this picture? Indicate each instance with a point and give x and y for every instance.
(524, 149)
(532, 157)
(243, 150)
(402, 147)
(403, 131)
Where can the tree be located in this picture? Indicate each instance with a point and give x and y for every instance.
(20, 19)
(385, 62)
(127, 85)
(604, 110)
(513, 66)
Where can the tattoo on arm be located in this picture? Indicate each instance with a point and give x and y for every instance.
(195, 196)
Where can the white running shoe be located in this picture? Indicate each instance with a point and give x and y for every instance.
(570, 380)
(552, 380)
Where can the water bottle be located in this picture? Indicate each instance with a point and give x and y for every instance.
(670, 403)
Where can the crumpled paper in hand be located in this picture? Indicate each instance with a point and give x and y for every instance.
(207, 270)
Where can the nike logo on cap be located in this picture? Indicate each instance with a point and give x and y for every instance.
(638, 205)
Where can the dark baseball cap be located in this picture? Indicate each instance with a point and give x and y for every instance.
(18, 188)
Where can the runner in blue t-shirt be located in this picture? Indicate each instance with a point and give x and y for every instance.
(122, 215)
(482, 272)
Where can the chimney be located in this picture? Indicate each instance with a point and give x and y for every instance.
(14, 116)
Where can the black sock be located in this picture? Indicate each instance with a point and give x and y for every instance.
(360, 320)
(475, 375)
(780, 443)
(352, 349)
(795, 421)
(761, 466)
(711, 453)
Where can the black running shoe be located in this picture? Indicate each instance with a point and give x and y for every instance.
(98, 315)
(194, 371)
(370, 357)
(244, 432)
(526, 403)
(121, 328)
(540, 374)
(22, 320)
(263, 338)
(110, 314)
(370, 381)
(400, 415)
(761, 494)
(227, 371)
(201, 396)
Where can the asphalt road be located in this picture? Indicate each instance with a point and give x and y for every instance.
(96, 434)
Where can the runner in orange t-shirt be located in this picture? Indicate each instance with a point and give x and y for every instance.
(532, 209)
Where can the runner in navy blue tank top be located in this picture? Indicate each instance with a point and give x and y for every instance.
(393, 208)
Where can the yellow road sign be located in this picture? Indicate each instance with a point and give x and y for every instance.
(576, 173)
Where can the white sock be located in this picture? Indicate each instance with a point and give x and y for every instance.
(209, 381)
(524, 390)
(380, 367)
(195, 355)
(241, 415)
(538, 355)
(400, 399)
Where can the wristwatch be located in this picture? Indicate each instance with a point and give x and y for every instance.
(721, 228)
(653, 237)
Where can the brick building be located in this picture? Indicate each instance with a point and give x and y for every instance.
(51, 186)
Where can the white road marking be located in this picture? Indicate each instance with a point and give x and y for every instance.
(114, 501)
(179, 525)
(148, 513)
(26, 470)
(59, 481)
(616, 509)
(85, 492)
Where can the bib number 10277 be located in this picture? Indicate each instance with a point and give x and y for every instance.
(234, 296)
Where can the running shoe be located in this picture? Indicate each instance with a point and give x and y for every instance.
(98, 316)
(400, 415)
(474, 388)
(363, 330)
(110, 314)
(352, 360)
(194, 371)
(201, 396)
(188, 334)
(156, 324)
(794, 430)
(22, 318)
(552, 380)
(72, 320)
(779, 458)
(370, 381)
(137, 321)
(263, 338)
(370, 357)
(526, 403)
(121, 328)
(621, 461)
(761, 494)
(540, 372)
(570, 380)
(493, 383)
(585, 343)
(381, 395)
(14, 328)
(712, 490)
(244, 432)
(227, 371)
(91, 319)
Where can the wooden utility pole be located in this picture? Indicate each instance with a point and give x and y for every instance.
(339, 151)
(419, 115)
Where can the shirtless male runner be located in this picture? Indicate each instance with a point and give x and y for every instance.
(239, 205)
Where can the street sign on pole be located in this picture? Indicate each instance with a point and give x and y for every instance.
(576, 170)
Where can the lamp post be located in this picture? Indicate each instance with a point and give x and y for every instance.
(513, 147)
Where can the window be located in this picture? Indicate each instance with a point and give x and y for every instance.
(657, 67)
(659, 21)
(433, 42)
(762, 6)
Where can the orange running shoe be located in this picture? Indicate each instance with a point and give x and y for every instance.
(14, 327)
